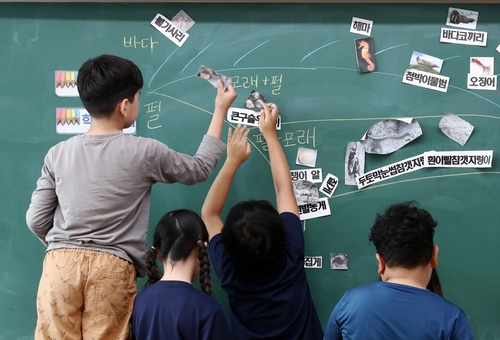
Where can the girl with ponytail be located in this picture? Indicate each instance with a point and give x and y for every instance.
(170, 307)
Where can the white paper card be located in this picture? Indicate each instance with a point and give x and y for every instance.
(312, 175)
(463, 37)
(314, 210)
(65, 83)
(361, 26)
(77, 121)
(329, 185)
(247, 117)
(313, 262)
(428, 80)
(481, 82)
(390, 171)
(169, 30)
(458, 159)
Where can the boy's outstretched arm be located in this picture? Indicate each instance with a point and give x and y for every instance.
(238, 150)
(223, 101)
(285, 197)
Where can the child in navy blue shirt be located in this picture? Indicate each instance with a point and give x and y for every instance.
(259, 252)
(171, 308)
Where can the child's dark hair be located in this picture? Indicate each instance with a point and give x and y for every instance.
(103, 82)
(434, 284)
(254, 236)
(176, 235)
(403, 236)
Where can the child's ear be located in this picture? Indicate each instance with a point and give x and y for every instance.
(381, 264)
(434, 259)
(123, 106)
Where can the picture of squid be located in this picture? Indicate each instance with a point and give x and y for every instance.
(486, 69)
(366, 55)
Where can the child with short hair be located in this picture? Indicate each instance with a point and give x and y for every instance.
(171, 308)
(258, 253)
(400, 306)
(91, 205)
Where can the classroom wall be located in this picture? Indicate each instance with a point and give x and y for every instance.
(300, 56)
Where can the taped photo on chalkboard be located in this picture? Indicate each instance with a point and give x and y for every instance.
(212, 77)
(482, 65)
(182, 21)
(462, 18)
(354, 162)
(365, 54)
(456, 128)
(305, 192)
(253, 101)
(339, 261)
(425, 63)
(306, 157)
(65, 83)
(390, 135)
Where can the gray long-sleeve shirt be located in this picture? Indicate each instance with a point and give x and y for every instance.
(95, 190)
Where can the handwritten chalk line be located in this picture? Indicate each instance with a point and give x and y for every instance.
(211, 113)
(356, 70)
(319, 48)
(338, 68)
(475, 94)
(172, 82)
(236, 69)
(384, 118)
(158, 70)
(253, 49)
(455, 56)
(270, 68)
(414, 180)
(203, 50)
(390, 48)
(318, 68)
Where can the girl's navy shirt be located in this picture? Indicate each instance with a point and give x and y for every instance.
(277, 306)
(176, 310)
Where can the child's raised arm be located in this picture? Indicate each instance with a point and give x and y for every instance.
(238, 150)
(223, 101)
(285, 197)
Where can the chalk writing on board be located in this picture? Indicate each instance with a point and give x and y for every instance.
(152, 108)
(302, 137)
(134, 42)
(253, 81)
(152, 122)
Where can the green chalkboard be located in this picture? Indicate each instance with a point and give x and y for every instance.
(300, 56)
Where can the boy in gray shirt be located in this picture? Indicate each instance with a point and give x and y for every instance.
(95, 228)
